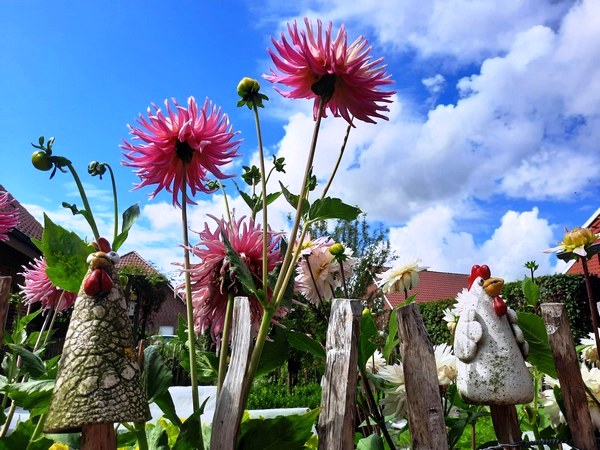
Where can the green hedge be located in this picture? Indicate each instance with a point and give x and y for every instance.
(268, 396)
(569, 289)
(433, 313)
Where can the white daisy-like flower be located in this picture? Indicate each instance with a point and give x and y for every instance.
(376, 362)
(401, 277)
(575, 241)
(589, 353)
(445, 362)
(395, 391)
(451, 319)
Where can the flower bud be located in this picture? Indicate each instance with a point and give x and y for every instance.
(96, 168)
(337, 249)
(578, 237)
(247, 86)
(41, 160)
(366, 312)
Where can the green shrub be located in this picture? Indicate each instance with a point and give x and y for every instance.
(569, 289)
(433, 313)
(268, 396)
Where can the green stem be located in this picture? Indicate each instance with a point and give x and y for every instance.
(226, 205)
(379, 420)
(225, 342)
(263, 332)
(287, 260)
(140, 431)
(90, 216)
(339, 160)
(116, 203)
(54, 314)
(188, 295)
(37, 432)
(264, 200)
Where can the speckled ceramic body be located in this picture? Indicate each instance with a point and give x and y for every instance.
(98, 378)
(490, 366)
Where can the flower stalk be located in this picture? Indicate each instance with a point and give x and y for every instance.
(591, 303)
(89, 217)
(225, 342)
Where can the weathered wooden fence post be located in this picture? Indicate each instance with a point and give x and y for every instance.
(426, 416)
(506, 425)
(336, 421)
(228, 410)
(569, 375)
(5, 283)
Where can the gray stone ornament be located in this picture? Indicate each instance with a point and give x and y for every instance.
(98, 377)
(490, 348)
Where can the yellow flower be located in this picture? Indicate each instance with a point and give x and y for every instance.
(576, 241)
(58, 446)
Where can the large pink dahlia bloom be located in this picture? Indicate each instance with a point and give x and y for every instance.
(9, 217)
(311, 61)
(202, 138)
(211, 279)
(39, 288)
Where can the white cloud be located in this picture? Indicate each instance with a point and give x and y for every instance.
(434, 236)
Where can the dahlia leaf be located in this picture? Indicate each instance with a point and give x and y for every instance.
(293, 199)
(531, 291)
(190, 436)
(372, 442)
(65, 255)
(275, 353)
(302, 342)
(157, 375)
(332, 208)
(289, 432)
(75, 210)
(32, 363)
(130, 215)
(242, 273)
(392, 338)
(31, 394)
(270, 199)
(536, 336)
(366, 346)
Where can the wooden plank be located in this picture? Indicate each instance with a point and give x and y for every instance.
(506, 425)
(98, 436)
(425, 412)
(229, 407)
(338, 401)
(569, 374)
(5, 283)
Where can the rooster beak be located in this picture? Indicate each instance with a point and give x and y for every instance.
(493, 286)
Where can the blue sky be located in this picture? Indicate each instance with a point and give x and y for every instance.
(490, 151)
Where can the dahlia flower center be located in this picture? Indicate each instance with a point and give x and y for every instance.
(324, 87)
(184, 151)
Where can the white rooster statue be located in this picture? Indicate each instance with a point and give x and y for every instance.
(489, 345)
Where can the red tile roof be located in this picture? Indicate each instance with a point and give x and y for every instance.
(28, 225)
(133, 259)
(575, 267)
(432, 286)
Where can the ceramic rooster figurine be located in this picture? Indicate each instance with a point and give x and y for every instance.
(489, 345)
(98, 377)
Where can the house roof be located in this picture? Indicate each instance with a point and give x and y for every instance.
(574, 266)
(432, 286)
(133, 259)
(28, 225)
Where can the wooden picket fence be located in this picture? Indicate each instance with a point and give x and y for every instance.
(336, 427)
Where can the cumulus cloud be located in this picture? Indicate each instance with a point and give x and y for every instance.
(435, 237)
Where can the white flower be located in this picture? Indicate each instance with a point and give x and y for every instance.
(445, 362)
(589, 353)
(376, 362)
(451, 318)
(400, 278)
(395, 391)
(575, 241)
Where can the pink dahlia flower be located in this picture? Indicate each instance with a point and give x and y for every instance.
(311, 62)
(39, 288)
(211, 279)
(202, 138)
(9, 217)
(319, 273)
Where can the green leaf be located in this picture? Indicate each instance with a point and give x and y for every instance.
(20, 438)
(165, 402)
(282, 432)
(302, 342)
(391, 340)
(190, 435)
(242, 272)
(275, 353)
(531, 291)
(332, 208)
(32, 363)
(292, 199)
(535, 334)
(130, 215)
(157, 436)
(366, 346)
(157, 375)
(31, 394)
(65, 255)
(270, 199)
(372, 442)
(74, 210)
(249, 200)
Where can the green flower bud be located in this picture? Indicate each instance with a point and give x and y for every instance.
(247, 86)
(41, 160)
(337, 249)
(96, 168)
(366, 312)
